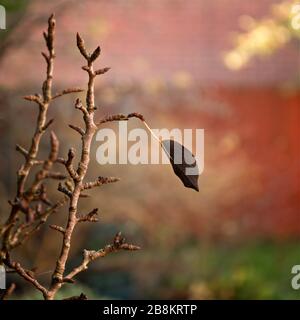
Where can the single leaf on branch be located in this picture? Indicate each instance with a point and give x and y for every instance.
(182, 160)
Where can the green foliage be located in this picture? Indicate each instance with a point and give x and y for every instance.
(15, 11)
(254, 271)
(14, 5)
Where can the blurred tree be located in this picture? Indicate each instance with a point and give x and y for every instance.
(263, 37)
(16, 11)
(19, 13)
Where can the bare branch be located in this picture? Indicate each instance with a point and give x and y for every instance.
(91, 255)
(49, 38)
(69, 164)
(64, 190)
(90, 129)
(34, 98)
(48, 124)
(55, 176)
(31, 206)
(91, 216)
(79, 106)
(22, 199)
(23, 151)
(19, 237)
(121, 117)
(8, 292)
(67, 91)
(43, 195)
(57, 228)
(54, 149)
(44, 216)
(25, 274)
(45, 173)
(99, 182)
(60, 160)
(77, 129)
(46, 57)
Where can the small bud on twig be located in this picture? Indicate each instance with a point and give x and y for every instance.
(95, 54)
(102, 71)
(81, 47)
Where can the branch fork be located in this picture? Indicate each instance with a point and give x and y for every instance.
(31, 206)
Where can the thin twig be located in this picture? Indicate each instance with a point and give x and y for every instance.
(8, 292)
(91, 255)
(89, 131)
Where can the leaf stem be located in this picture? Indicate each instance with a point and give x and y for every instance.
(157, 138)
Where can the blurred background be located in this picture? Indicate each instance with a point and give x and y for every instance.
(230, 67)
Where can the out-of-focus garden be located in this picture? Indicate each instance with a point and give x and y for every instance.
(230, 67)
